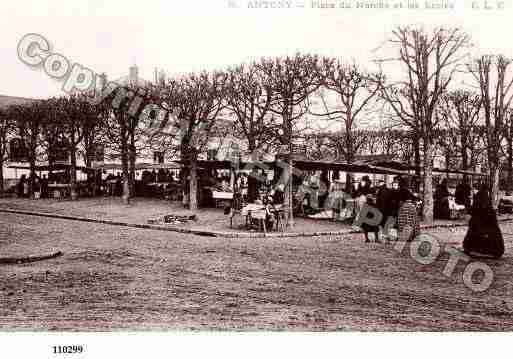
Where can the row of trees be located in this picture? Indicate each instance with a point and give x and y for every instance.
(436, 99)
(58, 124)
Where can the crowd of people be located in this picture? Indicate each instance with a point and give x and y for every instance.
(398, 207)
(445, 203)
(40, 186)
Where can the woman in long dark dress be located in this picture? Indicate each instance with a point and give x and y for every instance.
(408, 220)
(484, 237)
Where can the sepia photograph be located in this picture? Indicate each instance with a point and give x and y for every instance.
(244, 177)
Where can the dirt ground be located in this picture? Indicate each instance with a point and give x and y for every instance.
(117, 278)
(142, 209)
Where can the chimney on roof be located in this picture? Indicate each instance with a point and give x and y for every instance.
(133, 75)
(102, 81)
(162, 77)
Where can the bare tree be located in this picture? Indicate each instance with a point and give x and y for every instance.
(358, 140)
(460, 111)
(409, 130)
(292, 80)
(30, 120)
(199, 100)
(494, 78)
(508, 136)
(429, 60)
(354, 91)
(319, 146)
(391, 142)
(71, 114)
(7, 127)
(94, 133)
(446, 143)
(118, 112)
(249, 101)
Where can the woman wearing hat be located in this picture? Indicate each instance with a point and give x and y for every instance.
(484, 237)
(408, 220)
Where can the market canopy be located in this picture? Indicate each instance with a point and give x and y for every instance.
(396, 165)
(55, 167)
(345, 167)
(140, 166)
(300, 163)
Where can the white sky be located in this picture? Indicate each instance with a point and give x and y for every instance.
(182, 36)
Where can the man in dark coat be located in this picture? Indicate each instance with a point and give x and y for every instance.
(463, 194)
(441, 201)
(484, 237)
(384, 205)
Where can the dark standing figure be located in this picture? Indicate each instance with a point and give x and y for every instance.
(394, 202)
(253, 186)
(384, 204)
(363, 198)
(44, 187)
(279, 195)
(118, 190)
(368, 228)
(361, 194)
(484, 237)
(21, 185)
(37, 187)
(463, 194)
(441, 199)
(324, 186)
(408, 220)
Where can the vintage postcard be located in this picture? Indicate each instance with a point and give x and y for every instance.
(255, 177)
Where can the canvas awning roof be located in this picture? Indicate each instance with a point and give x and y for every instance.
(46, 167)
(305, 165)
(140, 166)
(405, 167)
(300, 162)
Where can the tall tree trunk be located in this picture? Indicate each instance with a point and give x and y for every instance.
(124, 160)
(73, 170)
(132, 158)
(288, 197)
(126, 186)
(32, 175)
(185, 172)
(349, 159)
(252, 181)
(428, 181)
(193, 185)
(89, 153)
(494, 182)
(447, 162)
(510, 164)
(1, 175)
(464, 153)
(416, 156)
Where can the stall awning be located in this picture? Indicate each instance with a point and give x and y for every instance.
(301, 163)
(141, 166)
(56, 167)
(405, 167)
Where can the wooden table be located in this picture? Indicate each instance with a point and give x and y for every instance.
(222, 198)
(59, 189)
(260, 213)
